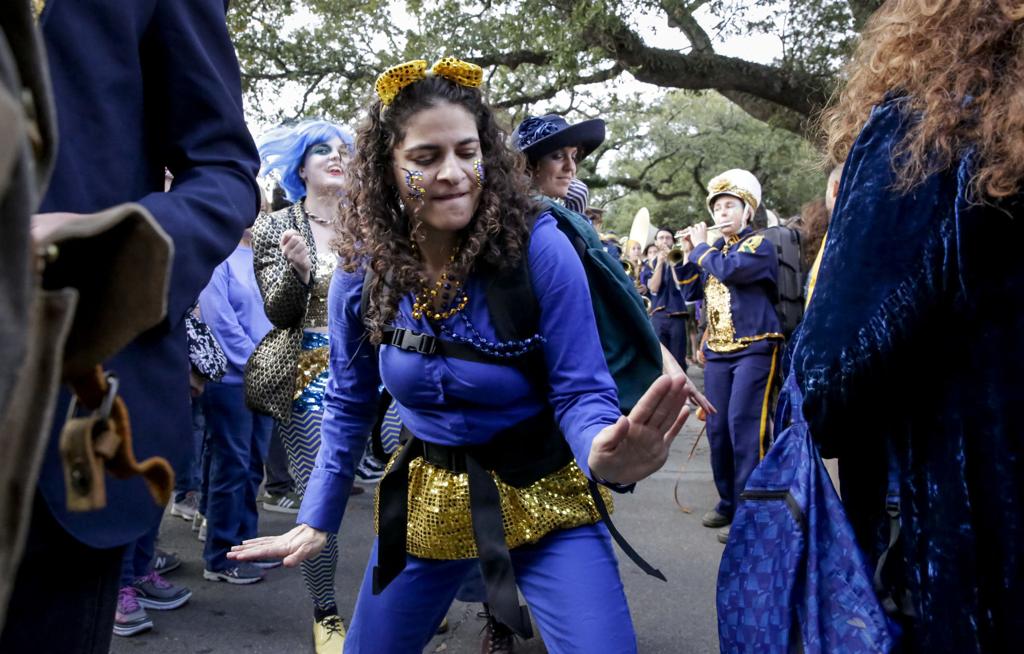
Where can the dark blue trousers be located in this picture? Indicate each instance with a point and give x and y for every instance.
(671, 331)
(738, 386)
(138, 556)
(238, 441)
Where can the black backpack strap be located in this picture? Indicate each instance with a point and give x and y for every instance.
(511, 301)
(428, 344)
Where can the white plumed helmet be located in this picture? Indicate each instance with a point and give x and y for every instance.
(736, 182)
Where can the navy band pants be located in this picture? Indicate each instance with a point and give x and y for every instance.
(738, 386)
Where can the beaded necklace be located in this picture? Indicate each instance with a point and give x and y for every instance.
(502, 349)
(450, 292)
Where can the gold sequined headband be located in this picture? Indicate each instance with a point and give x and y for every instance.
(394, 79)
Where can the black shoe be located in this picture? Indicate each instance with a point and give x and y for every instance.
(496, 638)
(715, 520)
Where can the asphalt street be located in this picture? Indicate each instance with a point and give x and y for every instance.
(661, 519)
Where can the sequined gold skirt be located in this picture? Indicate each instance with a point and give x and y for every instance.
(439, 523)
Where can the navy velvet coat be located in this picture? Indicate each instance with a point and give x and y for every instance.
(914, 341)
(139, 86)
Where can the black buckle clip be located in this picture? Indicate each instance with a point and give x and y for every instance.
(414, 341)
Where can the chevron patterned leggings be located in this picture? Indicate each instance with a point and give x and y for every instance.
(301, 438)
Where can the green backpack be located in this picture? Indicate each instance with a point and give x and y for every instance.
(631, 347)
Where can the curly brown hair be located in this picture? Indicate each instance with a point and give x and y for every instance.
(960, 66)
(375, 231)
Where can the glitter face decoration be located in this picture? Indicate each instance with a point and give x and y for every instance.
(478, 168)
(414, 182)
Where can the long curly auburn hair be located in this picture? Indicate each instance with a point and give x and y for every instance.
(374, 229)
(960, 65)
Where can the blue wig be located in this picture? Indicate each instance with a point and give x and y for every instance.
(283, 150)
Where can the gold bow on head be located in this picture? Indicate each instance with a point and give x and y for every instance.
(396, 78)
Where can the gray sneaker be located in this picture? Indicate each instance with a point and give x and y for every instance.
(187, 508)
(130, 618)
(287, 503)
(155, 592)
(240, 573)
(715, 520)
(164, 562)
(723, 535)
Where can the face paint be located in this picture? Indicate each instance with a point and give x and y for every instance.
(414, 181)
(478, 168)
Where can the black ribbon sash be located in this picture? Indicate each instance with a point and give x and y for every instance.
(521, 455)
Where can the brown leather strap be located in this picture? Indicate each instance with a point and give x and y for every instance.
(102, 442)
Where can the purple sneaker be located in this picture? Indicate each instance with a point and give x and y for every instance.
(130, 618)
(155, 592)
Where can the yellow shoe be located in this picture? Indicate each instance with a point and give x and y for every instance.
(329, 635)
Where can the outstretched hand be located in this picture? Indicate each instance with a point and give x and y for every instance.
(637, 445)
(293, 547)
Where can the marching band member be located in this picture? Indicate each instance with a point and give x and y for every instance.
(735, 276)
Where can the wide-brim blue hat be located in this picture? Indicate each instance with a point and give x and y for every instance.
(537, 136)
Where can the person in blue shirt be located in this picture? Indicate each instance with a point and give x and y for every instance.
(735, 277)
(232, 307)
(436, 210)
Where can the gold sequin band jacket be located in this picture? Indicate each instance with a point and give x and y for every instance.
(273, 370)
(736, 278)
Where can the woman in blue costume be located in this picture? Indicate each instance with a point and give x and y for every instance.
(921, 263)
(735, 276)
(439, 206)
(287, 374)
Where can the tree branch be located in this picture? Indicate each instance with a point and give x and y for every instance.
(513, 59)
(680, 16)
(794, 90)
(634, 184)
(555, 89)
(862, 10)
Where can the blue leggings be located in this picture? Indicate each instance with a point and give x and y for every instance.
(570, 580)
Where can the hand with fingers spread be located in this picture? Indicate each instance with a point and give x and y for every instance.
(294, 248)
(294, 547)
(638, 444)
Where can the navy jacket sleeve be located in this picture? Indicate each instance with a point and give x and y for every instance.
(752, 260)
(688, 275)
(350, 406)
(202, 138)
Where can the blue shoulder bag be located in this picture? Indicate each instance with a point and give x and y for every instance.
(792, 578)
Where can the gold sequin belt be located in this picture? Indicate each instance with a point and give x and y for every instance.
(312, 364)
(439, 521)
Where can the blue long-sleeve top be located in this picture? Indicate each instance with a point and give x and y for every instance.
(736, 280)
(456, 402)
(232, 306)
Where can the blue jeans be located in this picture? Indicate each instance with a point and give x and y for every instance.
(238, 441)
(570, 579)
(138, 556)
(189, 476)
